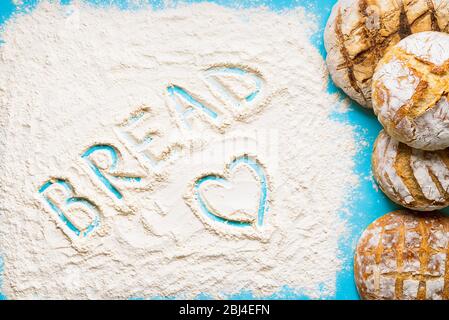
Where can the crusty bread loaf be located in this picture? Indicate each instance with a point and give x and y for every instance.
(404, 255)
(410, 91)
(358, 33)
(413, 178)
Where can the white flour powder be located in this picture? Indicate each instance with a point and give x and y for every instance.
(230, 174)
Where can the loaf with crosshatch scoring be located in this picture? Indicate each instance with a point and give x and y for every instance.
(359, 32)
(403, 255)
(413, 178)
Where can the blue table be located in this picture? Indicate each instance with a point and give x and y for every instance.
(367, 203)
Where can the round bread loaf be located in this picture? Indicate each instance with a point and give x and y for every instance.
(359, 32)
(410, 91)
(413, 178)
(403, 255)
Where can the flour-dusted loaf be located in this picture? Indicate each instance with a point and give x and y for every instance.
(410, 91)
(403, 255)
(358, 33)
(413, 178)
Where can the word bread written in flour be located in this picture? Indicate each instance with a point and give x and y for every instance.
(413, 178)
(239, 89)
(410, 91)
(403, 255)
(68, 87)
(359, 32)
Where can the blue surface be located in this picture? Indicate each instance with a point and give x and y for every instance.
(365, 205)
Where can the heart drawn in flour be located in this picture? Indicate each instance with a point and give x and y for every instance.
(237, 198)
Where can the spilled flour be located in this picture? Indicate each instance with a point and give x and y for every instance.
(168, 153)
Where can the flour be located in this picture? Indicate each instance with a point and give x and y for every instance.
(229, 175)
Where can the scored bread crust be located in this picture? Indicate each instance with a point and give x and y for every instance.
(410, 91)
(404, 255)
(359, 32)
(412, 178)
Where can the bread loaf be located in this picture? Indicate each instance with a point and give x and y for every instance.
(413, 178)
(403, 255)
(410, 91)
(359, 32)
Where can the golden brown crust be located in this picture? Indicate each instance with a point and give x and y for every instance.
(410, 91)
(359, 32)
(430, 89)
(415, 179)
(404, 255)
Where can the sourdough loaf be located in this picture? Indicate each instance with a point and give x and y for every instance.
(403, 255)
(413, 178)
(359, 32)
(410, 91)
